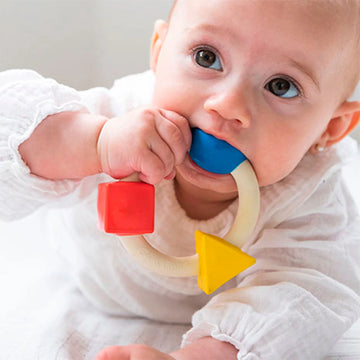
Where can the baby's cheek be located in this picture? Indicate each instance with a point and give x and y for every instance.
(166, 100)
(176, 97)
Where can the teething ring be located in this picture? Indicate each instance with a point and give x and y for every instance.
(217, 260)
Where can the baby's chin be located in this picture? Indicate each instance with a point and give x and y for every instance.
(268, 176)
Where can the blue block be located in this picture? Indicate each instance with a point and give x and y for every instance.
(213, 154)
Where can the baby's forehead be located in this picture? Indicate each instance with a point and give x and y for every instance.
(344, 15)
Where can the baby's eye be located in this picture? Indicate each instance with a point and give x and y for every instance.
(282, 88)
(207, 59)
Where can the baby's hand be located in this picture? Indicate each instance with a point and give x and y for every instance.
(149, 141)
(132, 352)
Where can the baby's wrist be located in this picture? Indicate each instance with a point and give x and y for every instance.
(215, 350)
(102, 159)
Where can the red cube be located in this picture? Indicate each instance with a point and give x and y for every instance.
(126, 208)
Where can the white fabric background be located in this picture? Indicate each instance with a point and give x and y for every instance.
(27, 297)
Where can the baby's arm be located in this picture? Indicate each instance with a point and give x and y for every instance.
(72, 145)
(64, 146)
(205, 347)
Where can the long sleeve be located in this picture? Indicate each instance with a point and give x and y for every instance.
(303, 292)
(26, 99)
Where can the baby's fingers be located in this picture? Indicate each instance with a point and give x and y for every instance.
(158, 162)
(174, 129)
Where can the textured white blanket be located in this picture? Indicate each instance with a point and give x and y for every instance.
(43, 315)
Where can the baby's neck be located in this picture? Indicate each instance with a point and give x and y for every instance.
(200, 204)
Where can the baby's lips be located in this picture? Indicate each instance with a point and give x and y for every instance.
(213, 154)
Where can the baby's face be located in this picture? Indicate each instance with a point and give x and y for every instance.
(266, 76)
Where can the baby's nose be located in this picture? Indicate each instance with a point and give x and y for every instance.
(229, 105)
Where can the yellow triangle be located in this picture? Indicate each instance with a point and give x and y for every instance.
(219, 261)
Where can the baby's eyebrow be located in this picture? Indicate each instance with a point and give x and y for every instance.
(305, 70)
(210, 28)
(206, 27)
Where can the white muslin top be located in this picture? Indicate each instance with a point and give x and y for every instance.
(294, 303)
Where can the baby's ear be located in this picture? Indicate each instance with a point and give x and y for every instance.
(158, 37)
(346, 117)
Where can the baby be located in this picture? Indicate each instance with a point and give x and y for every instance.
(271, 78)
